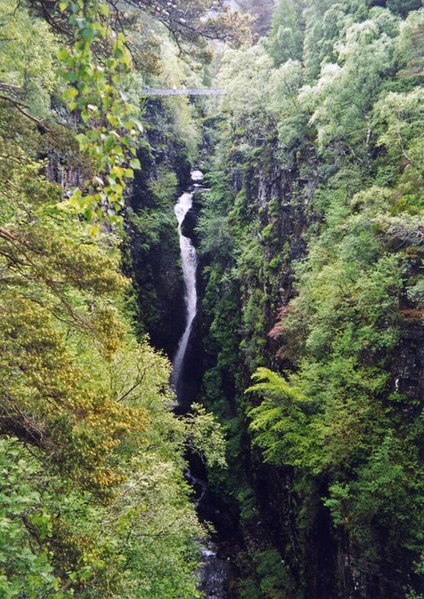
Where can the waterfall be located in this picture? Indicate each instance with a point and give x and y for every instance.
(189, 266)
(214, 571)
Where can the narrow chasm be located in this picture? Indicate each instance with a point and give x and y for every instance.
(187, 370)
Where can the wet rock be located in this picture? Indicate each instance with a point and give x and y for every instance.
(215, 573)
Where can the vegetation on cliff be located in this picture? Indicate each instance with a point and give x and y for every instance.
(312, 238)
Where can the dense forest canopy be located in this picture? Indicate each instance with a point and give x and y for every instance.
(308, 347)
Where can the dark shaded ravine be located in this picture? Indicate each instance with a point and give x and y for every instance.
(215, 571)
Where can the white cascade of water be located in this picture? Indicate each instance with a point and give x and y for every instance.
(189, 266)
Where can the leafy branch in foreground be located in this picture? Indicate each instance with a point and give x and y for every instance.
(93, 90)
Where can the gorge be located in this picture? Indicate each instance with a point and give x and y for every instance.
(212, 341)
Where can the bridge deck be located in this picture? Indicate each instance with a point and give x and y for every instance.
(209, 91)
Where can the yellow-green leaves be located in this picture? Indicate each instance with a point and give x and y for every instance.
(109, 130)
(204, 436)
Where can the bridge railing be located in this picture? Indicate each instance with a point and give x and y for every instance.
(183, 91)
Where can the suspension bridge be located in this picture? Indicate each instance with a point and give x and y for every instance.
(184, 91)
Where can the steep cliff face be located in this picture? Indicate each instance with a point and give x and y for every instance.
(246, 294)
(308, 549)
(311, 268)
(311, 245)
(252, 226)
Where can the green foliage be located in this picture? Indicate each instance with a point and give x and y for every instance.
(384, 501)
(285, 38)
(325, 26)
(21, 70)
(271, 578)
(204, 436)
(342, 115)
(410, 46)
(279, 423)
(403, 8)
(23, 523)
(108, 138)
(93, 502)
(403, 119)
(323, 149)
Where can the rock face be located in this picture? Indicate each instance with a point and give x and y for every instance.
(215, 573)
(264, 512)
(317, 558)
(322, 558)
(408, 368)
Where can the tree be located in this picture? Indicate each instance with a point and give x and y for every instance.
(325, 24)
(402, 7)
(343, 97)
(92, 498)
(190, 24)
(286, 35)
